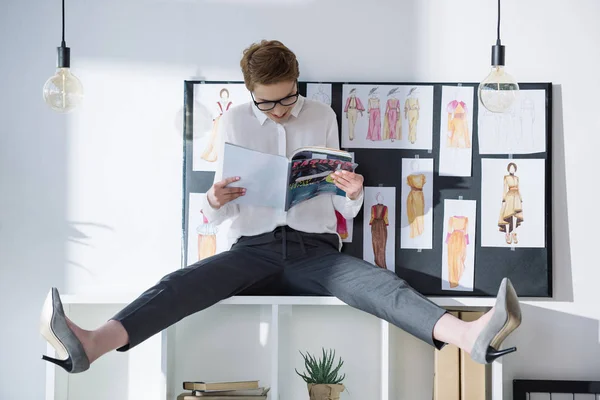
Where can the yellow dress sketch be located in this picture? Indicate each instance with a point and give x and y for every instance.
(457, 240)
(392, 123)
(411, 112)
(210, 152)
(511, 211)
(415, 204)
(207, 239)
(458, 126)
(352, 108)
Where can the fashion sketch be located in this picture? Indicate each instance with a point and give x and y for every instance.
(353, 107)
(411, 113)
(415, 204)
(207, 238)
(392, 125)
(321, 95)
(511, 211)
(527, 119)
(379, 223)
(457, 240)
(210, 152)
(374, 111)
(458, 125)
(342, 225)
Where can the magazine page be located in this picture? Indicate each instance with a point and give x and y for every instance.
(310, 175)
(263, 175)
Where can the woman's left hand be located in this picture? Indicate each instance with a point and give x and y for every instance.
(349, 182)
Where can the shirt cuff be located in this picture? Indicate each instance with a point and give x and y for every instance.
(213, 215)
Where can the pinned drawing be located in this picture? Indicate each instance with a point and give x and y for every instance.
(411, 113)
(204, 238)
(353, 107)
(417, 196)
(379, 226)
(456, 121)
(519, 130)
(458, 258)
(392, 125)
(391, 110)
(344, 227)
(320, 92)
(215, 100)
(505, 185)
(374, 111)
(511, 211)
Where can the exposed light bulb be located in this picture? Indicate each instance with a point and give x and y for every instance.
(63, 92)
(499, 90)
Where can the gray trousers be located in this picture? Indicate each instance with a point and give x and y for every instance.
(282, 262)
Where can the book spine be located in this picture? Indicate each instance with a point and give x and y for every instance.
(286, 206)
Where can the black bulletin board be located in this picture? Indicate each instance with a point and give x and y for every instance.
(530, 269)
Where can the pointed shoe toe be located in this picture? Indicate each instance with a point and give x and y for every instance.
(505, 319)
(54, 328)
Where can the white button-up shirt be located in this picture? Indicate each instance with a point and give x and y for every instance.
(311, 124)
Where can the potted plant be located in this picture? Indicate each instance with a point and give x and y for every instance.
(322, 379)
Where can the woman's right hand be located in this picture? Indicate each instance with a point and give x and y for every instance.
(220, 194)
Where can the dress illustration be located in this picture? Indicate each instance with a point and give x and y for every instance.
(342, 228)
(352, 108)
(207, 239)
(411, 112)
(210, 152)
(511, 211)
(379, 223)
(527, 119)
(321, 96)
(392, 125)
(457, 240)
(415, 204)
(458, 126)
(374, 111)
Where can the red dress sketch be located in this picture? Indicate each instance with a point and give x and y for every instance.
(342, 228)
(379, 223)
(374, 111)
(352, 108)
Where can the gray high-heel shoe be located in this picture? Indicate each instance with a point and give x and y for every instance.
(505, 319)
(54, 328)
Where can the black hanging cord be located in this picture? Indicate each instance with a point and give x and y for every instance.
(63, 24)
(498, 40)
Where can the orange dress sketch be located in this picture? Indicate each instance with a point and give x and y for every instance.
(210, 152)
(342, 226)
(411, 112)
(379, 223)
(457, 240)
(458, 126)
(511, 211)
(207, 239)
(415, 204)
(392, 124)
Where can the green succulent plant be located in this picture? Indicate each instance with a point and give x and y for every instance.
(321, 371)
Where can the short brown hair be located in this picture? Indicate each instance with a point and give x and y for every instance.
(268, 62)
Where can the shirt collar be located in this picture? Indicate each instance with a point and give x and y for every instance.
(262, 117)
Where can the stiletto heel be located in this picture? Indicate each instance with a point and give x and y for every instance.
(506, 318)
(54, 328)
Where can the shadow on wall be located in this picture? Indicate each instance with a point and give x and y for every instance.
(544, 335)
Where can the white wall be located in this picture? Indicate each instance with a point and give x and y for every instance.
(91, 201)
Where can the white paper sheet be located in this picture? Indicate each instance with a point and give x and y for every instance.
(458, 241)
(263, 175)
(383, 226)
(417, 200)
(213, 99)
(529, 191)
(456, 131)
(319, 92)
(520, 130)
(387, 116)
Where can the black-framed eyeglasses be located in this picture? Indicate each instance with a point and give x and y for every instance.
(286, 101)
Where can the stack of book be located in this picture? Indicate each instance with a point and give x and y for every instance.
(457, 376)
(241, 390)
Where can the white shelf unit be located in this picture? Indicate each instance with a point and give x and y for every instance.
(258, 337)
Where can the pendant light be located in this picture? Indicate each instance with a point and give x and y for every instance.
(63, 92)
(498, 91)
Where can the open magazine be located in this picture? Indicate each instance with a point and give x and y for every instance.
(280, 182)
